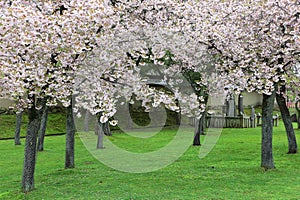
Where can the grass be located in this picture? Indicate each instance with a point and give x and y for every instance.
(56, 124)
(230, 171)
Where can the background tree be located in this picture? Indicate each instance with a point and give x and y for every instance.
(298, 110)
(19, 115)
(286, 117)
(43, 126)
(256, 50)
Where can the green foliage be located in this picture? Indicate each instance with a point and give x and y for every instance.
(231, 171)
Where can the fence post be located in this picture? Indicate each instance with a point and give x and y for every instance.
(258, 119)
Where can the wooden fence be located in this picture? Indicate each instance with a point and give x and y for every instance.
(230, 122)
(241, 121)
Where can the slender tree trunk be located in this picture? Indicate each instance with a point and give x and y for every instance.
(298, 113)
(107, 131)
(100, 131)
(86, 121)
(42, 130)
(203, 123)
(97, 128)
(100, 134)
(200, 123)
(70, 138)
(199, 129)
(197, 132)
(298, 120)
(30, 148)
(178, 118)
(267, 161)
(286, 117)
(18, 127)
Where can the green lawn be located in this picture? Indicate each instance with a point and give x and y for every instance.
(56, 124)
(230, 171)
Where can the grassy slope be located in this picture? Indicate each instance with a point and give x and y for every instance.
(230, 171)
(56, 124)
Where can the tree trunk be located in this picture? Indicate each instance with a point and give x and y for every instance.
(42, 130)
(200, 123)
(298, 113)
(86, 121)
(100, 131)
(286, 117)
(298, 120)
(107, 131)
(267, 161)
(199, 130)
(70, 138)
(100, 134)
(30, 148)
(18, 128)
(203, 123)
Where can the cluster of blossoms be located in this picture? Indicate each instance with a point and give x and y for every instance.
(95, 49)
(258, 41)
(64, 48)
(43, 43)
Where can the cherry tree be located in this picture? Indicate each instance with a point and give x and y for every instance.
(44, 44)
(41, 46)
(257, 43)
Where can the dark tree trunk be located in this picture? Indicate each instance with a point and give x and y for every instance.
(70, 138)
(197, 132)
(107, 131)
(100, 137)
(298, 120)
(200, 123)
(18, 128)
(97, 128)
(286, 117)
(267, 161)
(298, 113)
(86, 121)
(199, 129)
(100, 132)
(30, 148)
(203, 123)
(178, 118)
(42, 130)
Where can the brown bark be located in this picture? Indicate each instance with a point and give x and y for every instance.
(197, 132)
(286, 117)
(100, 131)
(18, 128)
(70, 138)
(43, 126)
(30, 147)
(106, 129)
(298, 113)
(267, 161)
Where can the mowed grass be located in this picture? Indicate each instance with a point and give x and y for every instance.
(56, 124)
(230, 171)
